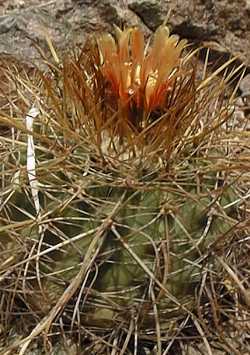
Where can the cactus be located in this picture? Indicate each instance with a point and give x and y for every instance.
(137, 188)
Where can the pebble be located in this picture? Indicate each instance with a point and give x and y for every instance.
(245, 86)
(6, 24)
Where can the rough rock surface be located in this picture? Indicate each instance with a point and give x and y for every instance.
(218, 23)
(221, 25)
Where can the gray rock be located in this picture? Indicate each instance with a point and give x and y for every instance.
(149, 11)
(245, 86)
(6, 24)
(195, 31)
(109, 13)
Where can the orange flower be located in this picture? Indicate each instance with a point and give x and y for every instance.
(135, 75)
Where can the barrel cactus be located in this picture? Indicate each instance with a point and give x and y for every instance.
(121, 196)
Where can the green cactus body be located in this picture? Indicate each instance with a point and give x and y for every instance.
(168, 229)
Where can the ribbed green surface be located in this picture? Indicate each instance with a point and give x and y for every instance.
(161, 228)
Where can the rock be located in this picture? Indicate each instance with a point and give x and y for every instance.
(149, 11)
(109, 13)
(195, 31)
(245, 86)
(6, 24)
(84, 2)
(70, 21)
